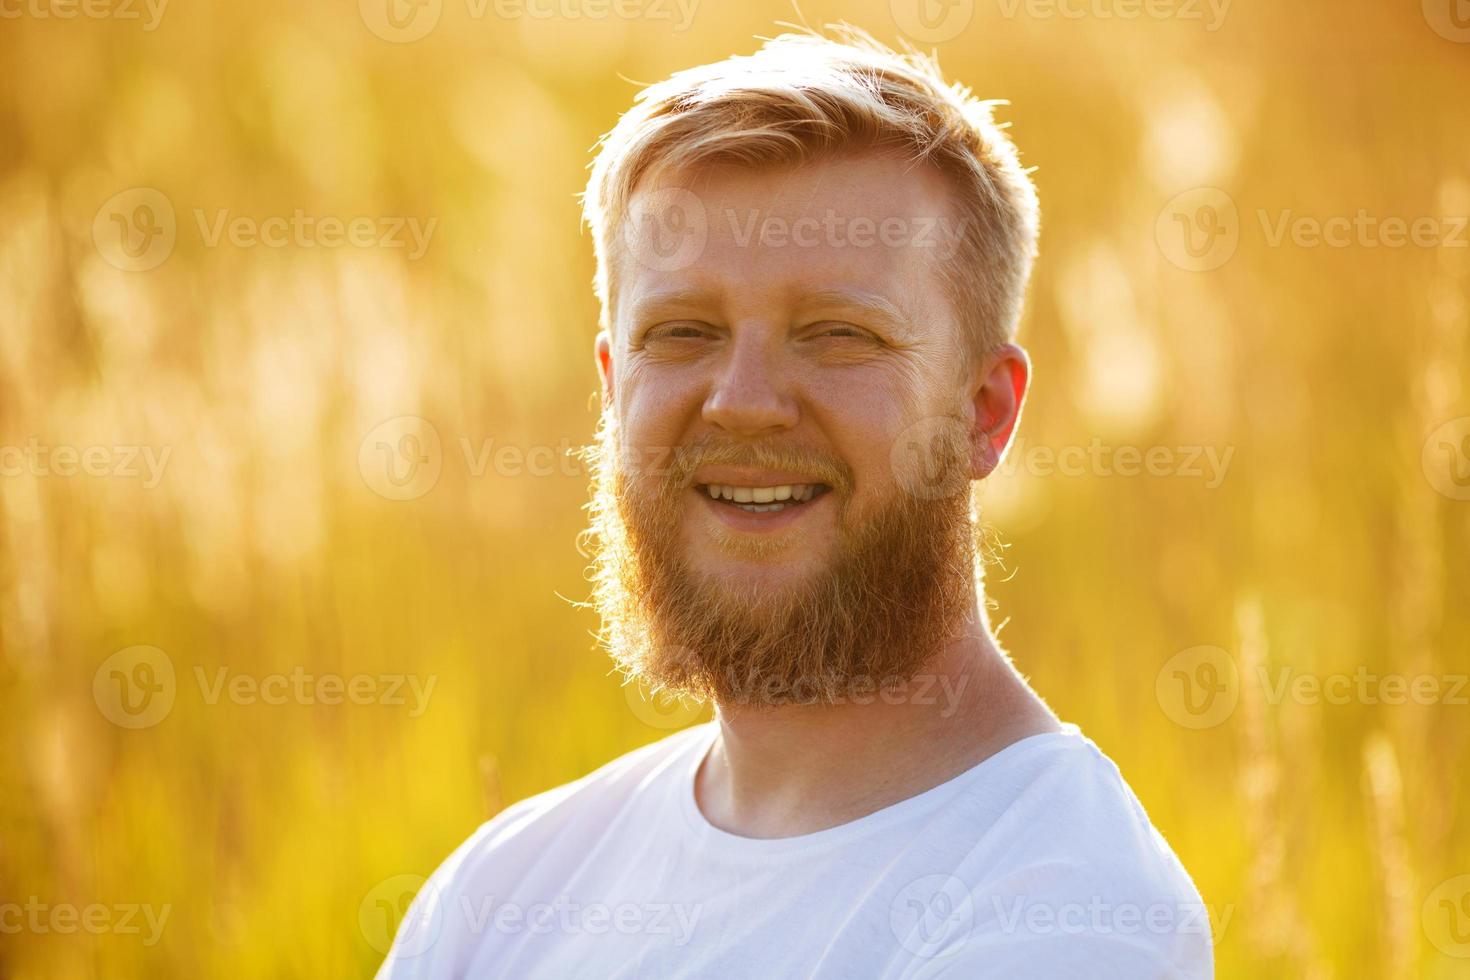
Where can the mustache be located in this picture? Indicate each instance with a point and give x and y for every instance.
(675, 466)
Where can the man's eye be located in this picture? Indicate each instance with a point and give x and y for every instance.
(841, 330)
(676, 331)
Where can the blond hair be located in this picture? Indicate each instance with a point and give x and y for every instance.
(805, 97)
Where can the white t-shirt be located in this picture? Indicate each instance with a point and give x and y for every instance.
(1038, 862)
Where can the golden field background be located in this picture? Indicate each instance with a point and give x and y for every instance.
(1330, 835)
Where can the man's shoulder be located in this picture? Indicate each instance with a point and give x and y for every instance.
(592, 801)
(1066, 804)
(1072, 856)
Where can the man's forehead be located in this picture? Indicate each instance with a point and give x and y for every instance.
(866, 231)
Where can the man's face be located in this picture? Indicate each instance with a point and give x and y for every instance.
(798, 325)
(775, 336)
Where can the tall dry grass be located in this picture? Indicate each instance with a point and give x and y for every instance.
(1319, 832)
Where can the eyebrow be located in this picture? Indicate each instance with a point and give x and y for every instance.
(670, 298)
(872, 305)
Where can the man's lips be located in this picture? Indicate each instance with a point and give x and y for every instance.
(754, 498)
(758, 491)
(759, 514)
(750, 476)
(758, 499)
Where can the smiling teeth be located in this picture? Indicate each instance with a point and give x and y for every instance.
(799, 492)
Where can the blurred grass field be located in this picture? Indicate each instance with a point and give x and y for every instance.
(1330, 834)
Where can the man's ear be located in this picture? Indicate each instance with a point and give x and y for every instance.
(998, 395)
(602, 349)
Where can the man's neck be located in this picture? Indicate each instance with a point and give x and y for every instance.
(796, 769)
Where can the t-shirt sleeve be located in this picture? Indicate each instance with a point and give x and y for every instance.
(434, 937)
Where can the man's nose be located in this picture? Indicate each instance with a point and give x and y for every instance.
(751, 395)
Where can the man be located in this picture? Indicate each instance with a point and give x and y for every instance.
(811, 263)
